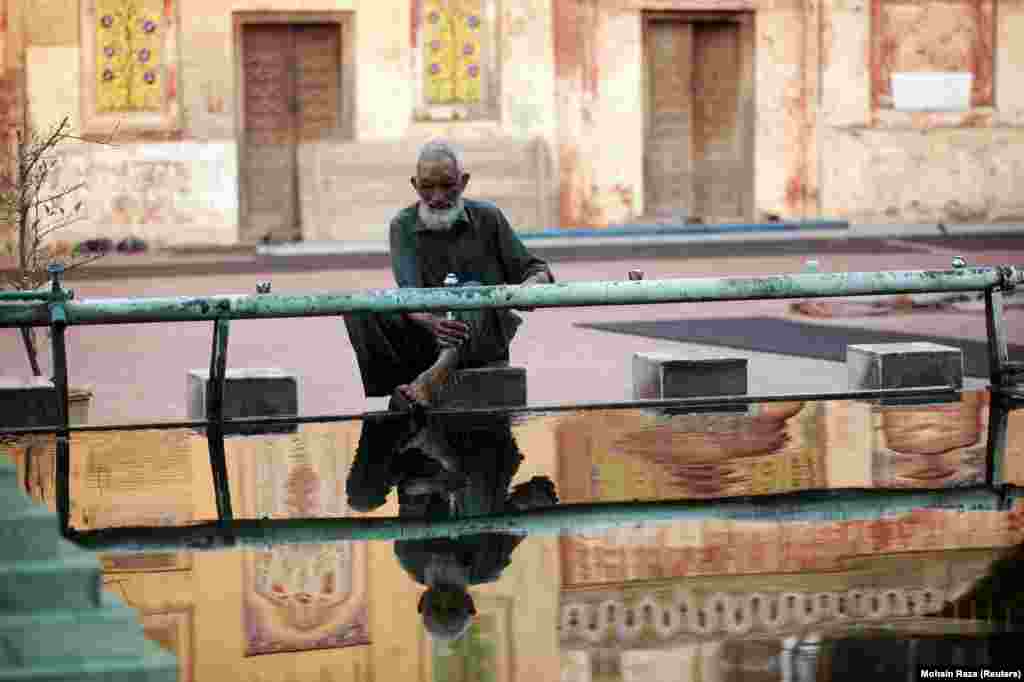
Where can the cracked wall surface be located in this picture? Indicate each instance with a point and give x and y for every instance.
(826, 139)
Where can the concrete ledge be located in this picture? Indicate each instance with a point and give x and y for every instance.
(904, 365)
(659, 376)
(248, 392)
(486, 387)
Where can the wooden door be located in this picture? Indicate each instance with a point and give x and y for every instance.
(291, 95)
(317, 85)
(719, 171)
(667, 171)
(697, 164)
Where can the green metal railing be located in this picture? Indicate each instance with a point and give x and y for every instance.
(57, 309)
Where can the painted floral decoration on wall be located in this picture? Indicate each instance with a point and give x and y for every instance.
(129, 49)
(451, 54)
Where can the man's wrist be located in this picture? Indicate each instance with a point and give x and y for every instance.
(421, 318)
(538, 278)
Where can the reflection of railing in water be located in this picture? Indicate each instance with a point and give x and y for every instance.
(61, 310)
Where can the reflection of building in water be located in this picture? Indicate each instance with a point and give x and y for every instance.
(729, 579)
(614, 457)
(631, 455)
(306, 596)
(931, 446)
(638, 632)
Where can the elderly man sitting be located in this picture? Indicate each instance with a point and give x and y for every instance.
(410, 356)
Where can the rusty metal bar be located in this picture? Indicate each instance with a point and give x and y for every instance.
(923, 392)
(808, 505)
(62, 473)
(215, 420)
(998, 356)
(568, 294)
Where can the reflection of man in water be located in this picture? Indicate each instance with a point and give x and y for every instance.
(924, 446)
(480, 457)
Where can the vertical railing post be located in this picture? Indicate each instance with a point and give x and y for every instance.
(58, 323)
(998, 420)
(215, 416)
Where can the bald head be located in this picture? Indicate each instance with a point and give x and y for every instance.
(440, 181)
(440, 151)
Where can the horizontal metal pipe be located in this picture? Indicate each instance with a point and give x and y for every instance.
(850, 504)
(563, 294)
(26, 295)
(923, 392)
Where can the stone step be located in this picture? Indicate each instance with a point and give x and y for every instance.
(28, 532)
(70, 581)
(54, 635)
(150, 663)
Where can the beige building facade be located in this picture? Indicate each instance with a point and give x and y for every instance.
(245, 120)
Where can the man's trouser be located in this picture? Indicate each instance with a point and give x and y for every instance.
(393, 350)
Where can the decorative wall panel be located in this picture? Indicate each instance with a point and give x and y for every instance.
(129, 66)
(933, 36)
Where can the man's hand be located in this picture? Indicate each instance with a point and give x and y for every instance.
(449, 333)
(539, 278)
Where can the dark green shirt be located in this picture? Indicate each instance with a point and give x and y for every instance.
(480, 247)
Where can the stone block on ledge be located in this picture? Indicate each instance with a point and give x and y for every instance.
(660, 376)
(904, 365)
(248, 392)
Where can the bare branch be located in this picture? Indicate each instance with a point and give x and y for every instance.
(72, 266)
(41, 148)
(61, 194)
(61, 225)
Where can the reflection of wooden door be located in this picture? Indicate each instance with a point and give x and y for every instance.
(697, 161)
(291, 92)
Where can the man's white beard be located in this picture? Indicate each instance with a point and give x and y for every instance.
(441, 220)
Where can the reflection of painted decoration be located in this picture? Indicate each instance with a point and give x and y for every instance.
(930, 447)
(36, 460)
(451, 53)
(934, 36)
(663, 618)
(129, 47)
(615, 457)
(142, 563)
(484, 653)
(299, 598)
(129, 478)
(174, 632)
(636, 456)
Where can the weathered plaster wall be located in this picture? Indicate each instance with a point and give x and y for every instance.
(352, 190)
(598, 61)
(382, 106)
(618, 124)
(53, 73)
(880, 165)
(169, 193)
(781, 135)
(940, 175)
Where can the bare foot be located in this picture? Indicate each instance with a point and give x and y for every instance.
(425, 388)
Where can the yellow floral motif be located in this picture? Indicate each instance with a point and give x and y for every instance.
(129, 46)
(452, 31)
